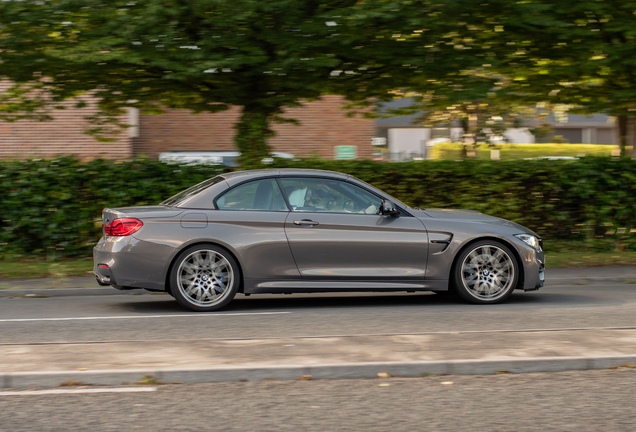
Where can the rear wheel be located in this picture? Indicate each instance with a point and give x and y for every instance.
(205, 278)
(486, 272)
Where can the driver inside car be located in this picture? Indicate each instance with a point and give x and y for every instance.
(320, 197)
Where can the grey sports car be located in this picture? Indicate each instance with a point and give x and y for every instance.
(299, 231)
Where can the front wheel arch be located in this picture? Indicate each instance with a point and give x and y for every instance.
(467, 245)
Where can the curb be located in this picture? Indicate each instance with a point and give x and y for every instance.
(326, 371)
(590, 280)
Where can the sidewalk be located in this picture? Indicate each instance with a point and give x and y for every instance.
(554, 277)
(413, 355)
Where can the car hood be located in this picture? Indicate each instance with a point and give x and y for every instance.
(467, 216)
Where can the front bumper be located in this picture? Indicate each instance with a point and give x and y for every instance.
(128, 263)
(533, 262)
(540, 279)
(534, 270)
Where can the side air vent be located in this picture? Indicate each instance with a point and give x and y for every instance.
(439, 242)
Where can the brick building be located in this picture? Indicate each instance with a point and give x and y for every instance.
(323, 125)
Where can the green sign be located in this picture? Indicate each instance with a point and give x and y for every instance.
(346, 152)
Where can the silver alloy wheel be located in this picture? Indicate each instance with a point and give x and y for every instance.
(487, 272)
(205, 277)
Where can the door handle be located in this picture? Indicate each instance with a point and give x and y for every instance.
(306, 222)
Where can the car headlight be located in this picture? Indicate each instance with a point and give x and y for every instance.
(530, 240)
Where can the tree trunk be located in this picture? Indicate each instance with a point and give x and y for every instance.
(465, 127)
(631, 135)
(622, 133)
(252, 133)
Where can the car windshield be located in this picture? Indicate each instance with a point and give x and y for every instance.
(184, 195)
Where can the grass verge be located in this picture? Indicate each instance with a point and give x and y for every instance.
(84, 267)
(589, 259)
(41, 269)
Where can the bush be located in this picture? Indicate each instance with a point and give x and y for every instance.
(52, 207)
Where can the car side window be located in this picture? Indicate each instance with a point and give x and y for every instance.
(263, 195)
(329, 196)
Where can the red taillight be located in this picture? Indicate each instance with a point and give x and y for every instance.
(122, 227)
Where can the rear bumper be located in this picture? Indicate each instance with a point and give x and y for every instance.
(127, 263)
(103, 280)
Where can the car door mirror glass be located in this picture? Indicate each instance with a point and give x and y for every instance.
(389, 209)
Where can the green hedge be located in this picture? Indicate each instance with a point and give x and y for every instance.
(52, 207)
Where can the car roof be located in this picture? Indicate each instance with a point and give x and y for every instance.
(240, 176)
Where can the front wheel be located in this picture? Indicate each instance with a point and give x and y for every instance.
(205, 278)
(486, 272)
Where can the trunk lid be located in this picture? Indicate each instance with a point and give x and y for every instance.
(141, 213)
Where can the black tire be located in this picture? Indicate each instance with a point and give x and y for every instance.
(205, 278)
(486, 272)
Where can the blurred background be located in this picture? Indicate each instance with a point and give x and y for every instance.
(522, 110)
(525, 110)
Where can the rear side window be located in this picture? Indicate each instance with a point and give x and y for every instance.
(261, 195)
(184, 195)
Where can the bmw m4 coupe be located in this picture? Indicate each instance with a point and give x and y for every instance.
(301, 231)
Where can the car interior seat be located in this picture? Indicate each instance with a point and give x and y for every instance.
(263, 196)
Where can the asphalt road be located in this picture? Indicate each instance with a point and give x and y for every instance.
(156, 317)
(567, 401)
(577, 401)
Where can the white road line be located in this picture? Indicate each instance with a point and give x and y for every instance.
(75, 391)
(142, 316)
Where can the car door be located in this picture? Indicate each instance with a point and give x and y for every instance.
(335, 231)
(250, 217)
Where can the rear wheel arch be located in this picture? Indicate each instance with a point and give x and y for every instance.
(202, 243)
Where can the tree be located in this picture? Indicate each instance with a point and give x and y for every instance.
(478, 100)
(580, 54)
(205, 55)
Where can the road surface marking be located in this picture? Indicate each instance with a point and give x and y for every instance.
(141, 316)
(74, 391)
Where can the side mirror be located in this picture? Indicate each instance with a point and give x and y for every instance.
(389, 209)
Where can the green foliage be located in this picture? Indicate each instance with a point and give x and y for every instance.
(51, 208)
(476, 100)
(252, 133)
(579, 54)
(206, 55)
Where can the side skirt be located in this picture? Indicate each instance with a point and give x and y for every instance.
(253, 286)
